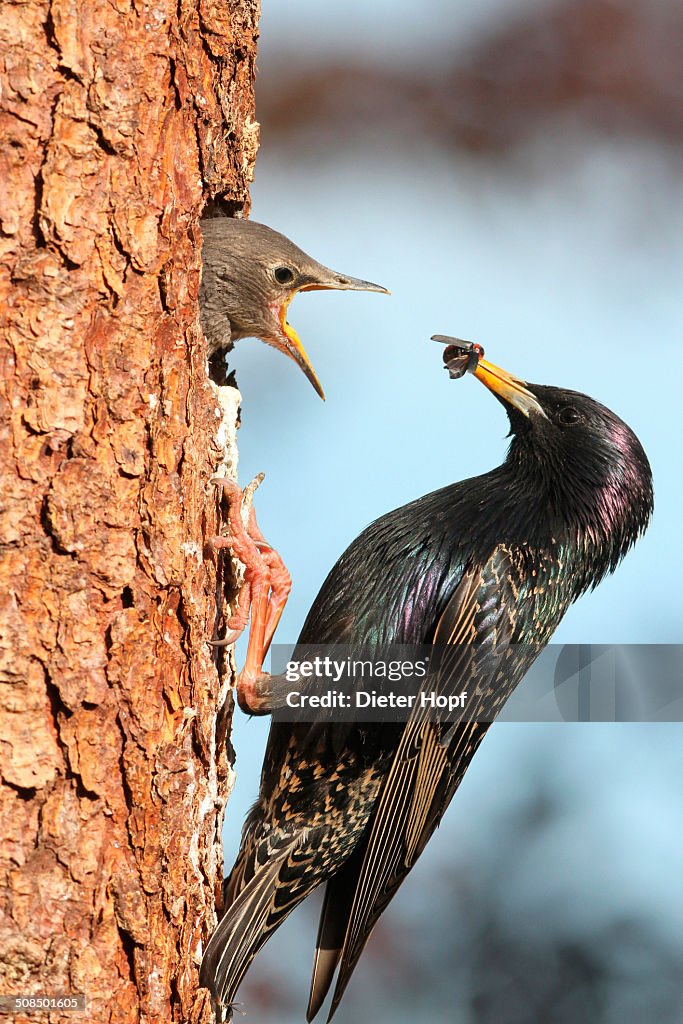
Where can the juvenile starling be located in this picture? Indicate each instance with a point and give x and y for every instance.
(490, 562)
(250, 275)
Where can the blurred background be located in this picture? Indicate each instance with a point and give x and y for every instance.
(511, 170)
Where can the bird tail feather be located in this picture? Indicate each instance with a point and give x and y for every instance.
(334, 919)
(242, 931)
(246, 925)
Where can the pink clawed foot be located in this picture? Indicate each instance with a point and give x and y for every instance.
(263, 595)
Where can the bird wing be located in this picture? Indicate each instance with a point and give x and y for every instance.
(427, 768)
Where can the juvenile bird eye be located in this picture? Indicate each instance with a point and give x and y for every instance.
(283, 275)
(569, 414)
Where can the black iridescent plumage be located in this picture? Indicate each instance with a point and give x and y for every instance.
(496, 559)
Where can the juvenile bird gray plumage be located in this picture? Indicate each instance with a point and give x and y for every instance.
(250, 275)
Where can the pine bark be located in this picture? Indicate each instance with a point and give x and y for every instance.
(118, 121)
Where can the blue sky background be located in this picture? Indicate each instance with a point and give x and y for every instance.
(564, 261)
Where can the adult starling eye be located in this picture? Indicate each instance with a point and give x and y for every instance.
(569, 415)
(283, 275)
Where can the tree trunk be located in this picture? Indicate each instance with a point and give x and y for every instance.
(118, 122)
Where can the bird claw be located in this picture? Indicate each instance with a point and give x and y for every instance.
(262, 596)
(232, 489)
(229, 639)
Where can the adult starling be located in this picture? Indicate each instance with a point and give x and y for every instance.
(490, 563)
(250, 275)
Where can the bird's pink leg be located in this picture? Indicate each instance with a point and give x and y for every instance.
(280, 581)
(264, 594)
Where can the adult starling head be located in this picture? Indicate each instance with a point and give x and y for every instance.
(484, 570)
(250, 275)
(573, 465)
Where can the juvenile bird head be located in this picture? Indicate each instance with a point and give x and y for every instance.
(573, 454)
(250, 275)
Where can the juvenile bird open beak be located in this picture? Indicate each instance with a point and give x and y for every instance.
(292, 347)
(511, 389)
(320, 279)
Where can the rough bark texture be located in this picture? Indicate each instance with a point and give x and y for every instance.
(118, 120)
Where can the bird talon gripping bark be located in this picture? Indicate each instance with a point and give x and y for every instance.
(262, 596)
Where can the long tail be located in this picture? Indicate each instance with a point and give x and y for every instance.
(276, 888)
(334, 919)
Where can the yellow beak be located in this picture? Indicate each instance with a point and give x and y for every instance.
(460, 357)
(291, 346)
(511, 389)
(326, 280)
